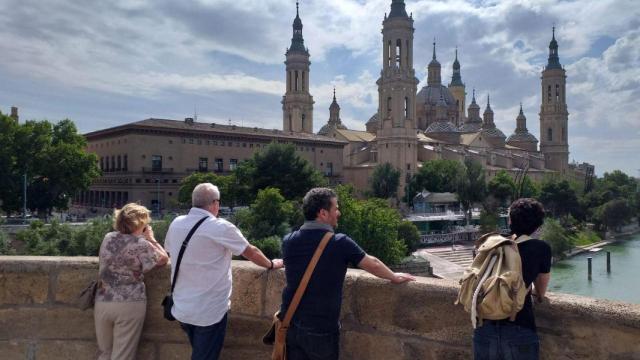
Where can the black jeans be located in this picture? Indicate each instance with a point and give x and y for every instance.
(206, 341)
(305, 343)
(504, 340)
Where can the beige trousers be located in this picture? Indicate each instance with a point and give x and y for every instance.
(118, 328)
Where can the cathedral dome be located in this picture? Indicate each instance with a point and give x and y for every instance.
(522, 137)
(431, 95)
(441, 126)
(493, 133)
(471, 125)
(327, 127)
(373, 119)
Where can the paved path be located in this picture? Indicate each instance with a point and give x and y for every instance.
(448, 263)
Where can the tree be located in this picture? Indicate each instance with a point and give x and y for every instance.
(224, 183)
(409, 234)
(384, 181)
(502, 187)
(372, 224)
(559, 198)
(557, 237)
(471, 186)
(437, 176)
(269, 215)
(279, 166)
(615, 213)
(529, 188)
(53, 159)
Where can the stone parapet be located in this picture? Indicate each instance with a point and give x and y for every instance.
(39, 320)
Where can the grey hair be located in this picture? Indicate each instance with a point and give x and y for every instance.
(204, 195)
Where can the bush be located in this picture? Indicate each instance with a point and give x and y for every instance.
(585, 237)
(271, 246)
(88, 238)
(554, 234)
(409, 234)
(488, 221)
(5, 248)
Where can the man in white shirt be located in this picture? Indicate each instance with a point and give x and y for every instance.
(203, 286)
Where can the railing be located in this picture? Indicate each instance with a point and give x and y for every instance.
(157, 170)
(449, 237)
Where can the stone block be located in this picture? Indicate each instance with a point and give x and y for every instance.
(246, 331)
(66, 349)
(248, 289)
(24, 288)
(273, 298)
(71, 281)
(158, 329)
(47, 323)
(255, 352)
(354, 345)
(146, 351)
(174, 351)
(14, 350)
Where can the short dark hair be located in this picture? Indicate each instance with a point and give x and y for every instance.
(315, 200)
(526, 216)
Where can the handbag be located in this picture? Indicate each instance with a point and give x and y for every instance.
(167, 302)
(277, 334)
(87, 297)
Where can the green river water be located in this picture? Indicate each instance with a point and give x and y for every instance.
(622, 284)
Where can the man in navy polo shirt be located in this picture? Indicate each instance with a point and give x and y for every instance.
(314, 332)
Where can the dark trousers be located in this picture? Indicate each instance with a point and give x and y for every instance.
(504, 340)
(305, 343)
(206, 341)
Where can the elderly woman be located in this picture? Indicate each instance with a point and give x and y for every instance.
(120, 306)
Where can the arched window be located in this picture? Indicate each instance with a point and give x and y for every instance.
(549, 93)
(296, 81)
(398, 53)
(302, 128)
(290, 123)
(302, 86)
(389, 50)
(119, 167)
(389, 105)
(549, 134)
(557, 93)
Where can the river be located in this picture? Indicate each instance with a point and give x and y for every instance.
(623, 284)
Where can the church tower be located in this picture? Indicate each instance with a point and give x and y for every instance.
(397, 86)
(297, 102)
(553, 113)
(456, 86)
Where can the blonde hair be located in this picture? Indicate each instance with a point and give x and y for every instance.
(130, 218)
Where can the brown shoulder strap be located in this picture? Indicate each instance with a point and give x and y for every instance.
(305, 279)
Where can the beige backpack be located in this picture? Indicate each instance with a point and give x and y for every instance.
(493, 288)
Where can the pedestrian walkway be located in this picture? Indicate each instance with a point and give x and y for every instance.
(448, 262)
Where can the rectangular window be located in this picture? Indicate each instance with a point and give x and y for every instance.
(203, 164)
(156, 163)
(233, 164)
(329, 169)
(219, 165)
(125, 166)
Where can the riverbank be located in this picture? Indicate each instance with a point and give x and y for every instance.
(610, 238)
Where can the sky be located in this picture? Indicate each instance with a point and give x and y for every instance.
(108, 63)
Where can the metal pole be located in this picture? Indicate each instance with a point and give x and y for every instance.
(158, 196)
(589, 266)
(24, 197)
(608, 262)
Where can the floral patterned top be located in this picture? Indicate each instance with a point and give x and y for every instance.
(123, 260)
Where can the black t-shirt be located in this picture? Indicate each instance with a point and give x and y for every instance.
(536, 259)
(320, 305)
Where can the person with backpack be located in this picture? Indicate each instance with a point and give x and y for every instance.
(514, 336)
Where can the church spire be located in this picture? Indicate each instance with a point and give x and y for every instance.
(433, 70)
(297, 41)
(398, 9)
(456, 78)
(554, 59)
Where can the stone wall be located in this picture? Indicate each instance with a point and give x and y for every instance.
(418, 320)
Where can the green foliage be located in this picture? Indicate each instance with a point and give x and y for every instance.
(53, 158)
(559, 198)
(270, 246)
(5, 246)
(488, 221)
(557, 237)
(87, 239)
(161, 226)
(435, 176)
(372, 224)
(471, 186)
(409, 234)
(502, 187)
(226, 185)
(269, 215)
(584, 237)
(615, 213)
(278, 166)
(384, 181)
(529, 188)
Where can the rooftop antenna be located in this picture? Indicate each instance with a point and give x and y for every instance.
(229, 121)
(195, 112)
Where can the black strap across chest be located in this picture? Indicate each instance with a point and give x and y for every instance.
(182, 249)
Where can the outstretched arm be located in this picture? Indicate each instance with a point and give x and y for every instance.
(256, 256)
(374, 266)
(540, 286)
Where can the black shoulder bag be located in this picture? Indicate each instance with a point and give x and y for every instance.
(167, 302)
